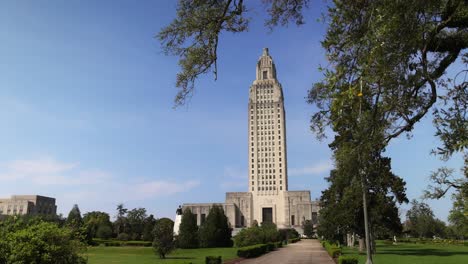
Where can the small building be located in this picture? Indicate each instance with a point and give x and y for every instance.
(28, 205)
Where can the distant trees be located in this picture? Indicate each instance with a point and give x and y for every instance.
(163, 237)
(215, 232)
(188, 231)
(98, 224)
(422, 223)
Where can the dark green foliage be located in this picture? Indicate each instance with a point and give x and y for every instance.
(422, 223)
(213, 260)
(252, 251)
(188, 231)
(215, 232)
(148, 226)
(98, 224)
(74, 218)
(136, 223)
(163, 237)
(308, 228)
(348, 260)
(294, 240)
(333, 250)
(123, 237)
(38, 242)
(288, 233)
(104, 231)
(257, 235)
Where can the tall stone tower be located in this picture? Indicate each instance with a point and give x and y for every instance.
(268, 178)
(268, 198)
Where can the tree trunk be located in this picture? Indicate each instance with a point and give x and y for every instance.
(362, 244)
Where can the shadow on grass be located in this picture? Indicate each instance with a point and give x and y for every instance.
(420, 252)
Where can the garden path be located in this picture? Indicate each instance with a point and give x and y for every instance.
(308, 251)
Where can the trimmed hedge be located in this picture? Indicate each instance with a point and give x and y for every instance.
(333, 250)
(118, 243)
(279, 244)
(213, 260)
(348, 260)
(294, 240)
(252, 251)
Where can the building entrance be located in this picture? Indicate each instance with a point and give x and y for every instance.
(267, 215)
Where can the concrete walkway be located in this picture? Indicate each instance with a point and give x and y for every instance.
(308, 251)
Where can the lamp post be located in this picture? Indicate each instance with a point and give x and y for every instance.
(364, 194)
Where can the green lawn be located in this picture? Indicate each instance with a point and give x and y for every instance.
(415, 254)
(145, 255)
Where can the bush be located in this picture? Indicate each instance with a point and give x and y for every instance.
(333, 250)
(348, 260)
(288, 233)
(252, 251)
(271, 246)
(257, 235)
(213, 260)
(294, 240)
(123, 237)
(279, 244)
(38, 242)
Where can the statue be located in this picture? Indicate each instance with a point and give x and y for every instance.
(179, 210)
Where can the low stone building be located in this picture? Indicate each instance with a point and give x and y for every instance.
(28, 205)
(268, 198)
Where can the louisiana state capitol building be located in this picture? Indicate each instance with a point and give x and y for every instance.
(267, 198)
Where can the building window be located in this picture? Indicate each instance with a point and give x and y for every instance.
(265, 75)
(292, 220)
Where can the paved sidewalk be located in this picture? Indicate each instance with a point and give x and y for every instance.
(308, 251)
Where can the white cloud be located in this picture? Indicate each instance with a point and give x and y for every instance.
(320, 167)
(49, 171)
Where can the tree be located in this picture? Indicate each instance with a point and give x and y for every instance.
(308, 228)
(148, 228)
(163, 237)
(458, 216)
(38, 242)
(422, 222)
(97, 224)
(74, 219)
(215, 232)
(188, 230)
(136, 221)
(121, 223)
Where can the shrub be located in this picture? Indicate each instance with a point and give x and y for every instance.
(333, 250)
(213, 260)
(257, 235)
(294, 240)
(38, 242)
(279, 244)
(271, 246)
(123, 237)
(348, 260)
(252, 251)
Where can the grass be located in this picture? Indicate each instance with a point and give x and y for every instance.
(404, 253)
(145, 255)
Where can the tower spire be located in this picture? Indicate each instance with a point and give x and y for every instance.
(266, 69)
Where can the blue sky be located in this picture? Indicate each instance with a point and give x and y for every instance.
(87, 116)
